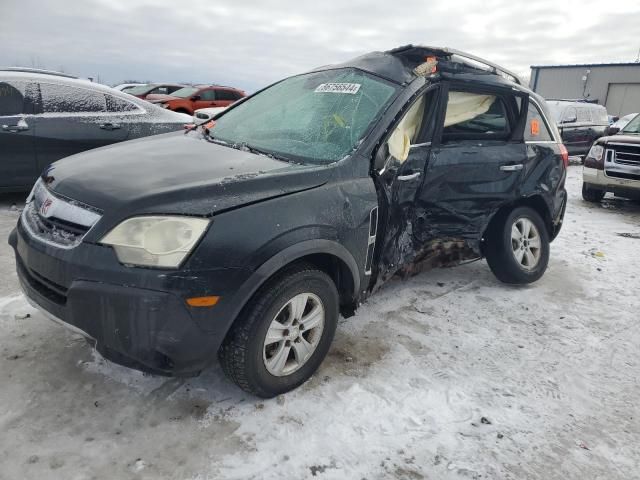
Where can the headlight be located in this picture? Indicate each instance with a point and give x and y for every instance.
(596, 152)
(155, 241)
(165, 105)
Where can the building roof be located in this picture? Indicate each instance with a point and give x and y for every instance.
(590, 65)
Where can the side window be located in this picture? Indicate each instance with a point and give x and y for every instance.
(472, 116)
(115, 104)
(17, 98)
(584, 115)
(407, 131)
(66, 99)
(570, 115)
(164, 90)
(536, 129)
(173, 88)
(226, 95)
(208, 95)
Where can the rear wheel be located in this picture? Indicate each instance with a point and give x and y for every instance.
(283, 335)
(591, 194)
(518, 247)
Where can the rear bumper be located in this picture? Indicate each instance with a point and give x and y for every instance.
(142, 322)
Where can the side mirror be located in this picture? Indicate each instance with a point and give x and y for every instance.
(195, 98)
(612, 130)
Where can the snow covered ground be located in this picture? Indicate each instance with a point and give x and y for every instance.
(449, 375)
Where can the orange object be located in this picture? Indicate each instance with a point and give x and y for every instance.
(535, 127)
(203, 301)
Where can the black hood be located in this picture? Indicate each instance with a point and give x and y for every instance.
(176, 173)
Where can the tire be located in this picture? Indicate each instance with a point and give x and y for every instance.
(502, 249)
(591, 194)
(251, 363)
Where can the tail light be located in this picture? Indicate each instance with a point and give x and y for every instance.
(564, 153)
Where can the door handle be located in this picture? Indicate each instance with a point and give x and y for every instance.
(15, 128)
(412, 176)
(109, 126)
(511, 168)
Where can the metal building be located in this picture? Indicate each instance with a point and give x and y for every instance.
(614, 85)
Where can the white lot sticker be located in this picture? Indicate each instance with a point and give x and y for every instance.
(351, 88)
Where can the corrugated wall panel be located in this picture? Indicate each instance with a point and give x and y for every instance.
(566, 82)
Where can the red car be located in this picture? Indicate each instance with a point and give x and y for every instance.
(189, 99)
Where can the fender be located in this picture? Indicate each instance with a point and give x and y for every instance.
(287, 256)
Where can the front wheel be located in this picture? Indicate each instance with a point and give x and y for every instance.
(518, 247)
(283, 335)
(591, 194)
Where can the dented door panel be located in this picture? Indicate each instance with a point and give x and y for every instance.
(465, 185)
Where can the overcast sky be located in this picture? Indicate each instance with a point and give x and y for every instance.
(251, 43)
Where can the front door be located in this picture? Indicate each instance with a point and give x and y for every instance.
(207, 99)
(399, 174)
(74, 120)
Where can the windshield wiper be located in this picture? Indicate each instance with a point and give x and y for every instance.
(244, 146)
(259, 151)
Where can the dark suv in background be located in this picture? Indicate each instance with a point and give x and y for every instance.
(47, 116)
(247, 240)
(580, 124)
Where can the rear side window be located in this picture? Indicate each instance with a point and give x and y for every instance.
(584, 115)
(569, 115)
(66, 99)
(17, 98)
(173, 88)
(115, 104)
(226, 95)
(475, 116)
(536, 129)
(208, 95)
(600, 116)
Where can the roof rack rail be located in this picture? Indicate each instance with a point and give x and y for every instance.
(37, 70)
(475, 62)
(574, 100)
(493, 67)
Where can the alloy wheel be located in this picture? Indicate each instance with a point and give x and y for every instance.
(294, 334)
(525, 243)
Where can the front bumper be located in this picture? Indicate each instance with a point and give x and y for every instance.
(137, 317)
(619, 186)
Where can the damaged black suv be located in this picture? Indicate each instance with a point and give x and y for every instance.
(246, 239)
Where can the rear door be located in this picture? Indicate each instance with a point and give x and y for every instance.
(73, 119)
(17, 146)
(570, 130)
(476, 163)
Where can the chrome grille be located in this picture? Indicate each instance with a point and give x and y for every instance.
(627, 154)
(622, 160)
(56, 220)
